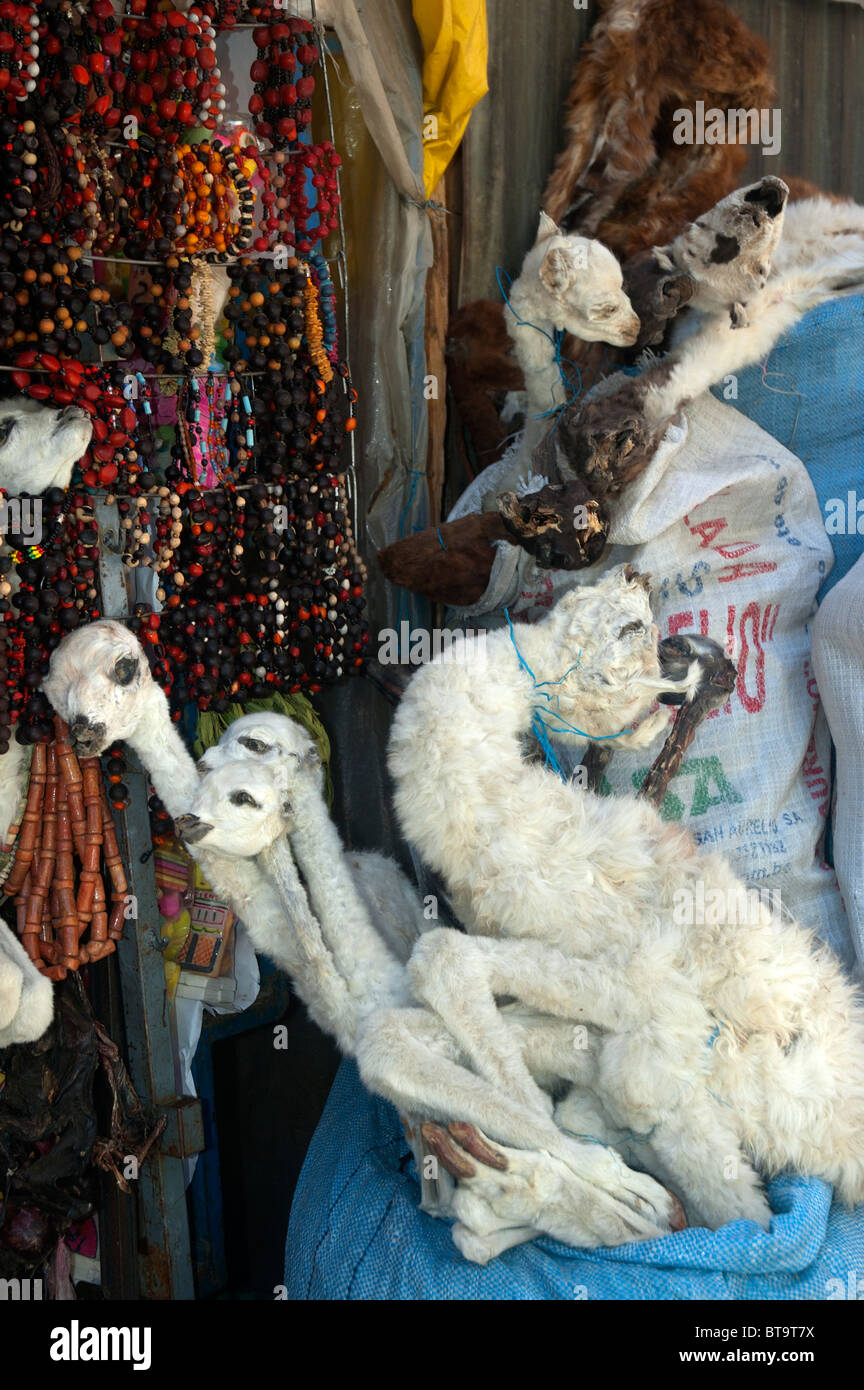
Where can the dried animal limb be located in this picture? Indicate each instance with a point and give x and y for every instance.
(608, 440)
(132, 1132)
(717, 676)
(450, 563)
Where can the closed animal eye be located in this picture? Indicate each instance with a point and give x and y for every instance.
(604, 311)
(255, 745)
(243, 799)
(631, 627)
(6, 428)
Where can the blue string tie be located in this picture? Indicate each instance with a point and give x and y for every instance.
(539, 727)
(572, 388)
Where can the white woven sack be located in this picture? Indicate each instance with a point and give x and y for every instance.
(726, 521)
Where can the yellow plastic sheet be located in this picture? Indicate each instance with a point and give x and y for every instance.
(455, 49)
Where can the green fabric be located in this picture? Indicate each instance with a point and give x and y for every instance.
(212, 726)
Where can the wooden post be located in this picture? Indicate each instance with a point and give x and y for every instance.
(435, 336)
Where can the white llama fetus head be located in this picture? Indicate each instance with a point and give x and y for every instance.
(728, 250)
(238, 810)
(604, 642)
(39, 444)
(576, 285)
(100, 684)
(269, 739)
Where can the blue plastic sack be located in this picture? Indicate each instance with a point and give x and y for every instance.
(810, 397)
(356, 1232)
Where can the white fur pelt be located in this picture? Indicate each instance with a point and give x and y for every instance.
(819, 255)
(719, 1046)
(552, 1183)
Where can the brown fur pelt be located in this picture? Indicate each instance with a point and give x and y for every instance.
(621, 177)
(450, 563)
(481, 369)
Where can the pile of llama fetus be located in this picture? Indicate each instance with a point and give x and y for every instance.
(566, 898)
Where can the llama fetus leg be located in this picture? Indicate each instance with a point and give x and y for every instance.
(595, 760)
(295, 941)
(408, 1056)
(714, 678)
(699, 1151)
(553, 1048)
(459, 977)
(26, 996)
(358, 950)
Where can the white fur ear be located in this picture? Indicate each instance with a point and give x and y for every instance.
(209, 759)
(546, 228)
(556, 272)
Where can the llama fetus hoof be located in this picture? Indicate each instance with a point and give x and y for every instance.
(449, 1154)
(504, 1196)
(678, 1217)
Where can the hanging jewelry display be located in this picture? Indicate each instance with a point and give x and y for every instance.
(221, 439)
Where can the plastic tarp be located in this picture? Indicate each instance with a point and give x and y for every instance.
(809, 394)
(356, 1232)
(455, 48)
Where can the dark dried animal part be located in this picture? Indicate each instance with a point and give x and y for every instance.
(657, 290)
(481, 369)
(48, 1132)
(561, 526)
(450, 563)
(717, 681)
(132, 1130)
(607, 441)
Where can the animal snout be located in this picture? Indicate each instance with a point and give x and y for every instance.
(627, 331)
(70, 414)
(770, 194)
(86, 737)
(191, 828)
(677, 657)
